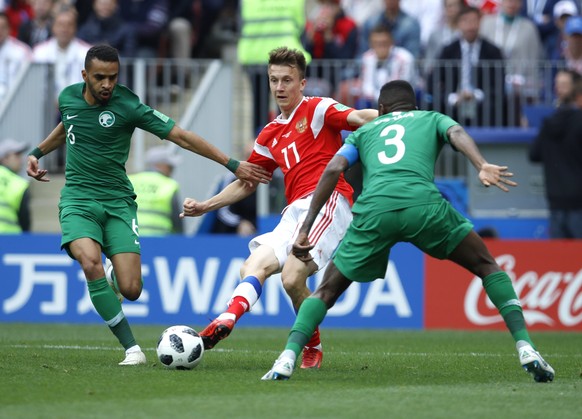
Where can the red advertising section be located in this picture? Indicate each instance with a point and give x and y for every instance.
(547, 276)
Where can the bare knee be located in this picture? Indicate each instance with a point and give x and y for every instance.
(293, 284)
(133, 291)
(92, 266)
(262, 263)
(130, 286)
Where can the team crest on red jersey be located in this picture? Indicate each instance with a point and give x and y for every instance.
(301, 126)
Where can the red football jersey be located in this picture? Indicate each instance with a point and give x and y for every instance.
(303, 145)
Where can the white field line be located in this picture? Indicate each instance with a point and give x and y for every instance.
(419, 354)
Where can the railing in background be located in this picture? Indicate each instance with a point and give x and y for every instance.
(166, 85)
(170, 85)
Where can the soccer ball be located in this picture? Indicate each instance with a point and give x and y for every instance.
(180, 348)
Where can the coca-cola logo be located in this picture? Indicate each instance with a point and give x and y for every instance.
(541, 295)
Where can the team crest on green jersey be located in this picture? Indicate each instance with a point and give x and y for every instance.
(161, 116)
(106, 119)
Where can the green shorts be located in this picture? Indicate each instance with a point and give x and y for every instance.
(436, 229)
(112, 223)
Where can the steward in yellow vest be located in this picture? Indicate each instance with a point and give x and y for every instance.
(14, 194)
(269, 24)
(158, 200)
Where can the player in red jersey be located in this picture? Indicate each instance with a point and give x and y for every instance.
(300, 141)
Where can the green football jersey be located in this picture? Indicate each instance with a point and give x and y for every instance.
(99, 139)
(398, 152)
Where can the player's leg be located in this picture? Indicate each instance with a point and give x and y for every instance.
(261, 264)
(121, 245)
(362, 256)
(310, 315)
(327, 231)
(126, 274)
(472, 254)
(294, 277)
(88, 253)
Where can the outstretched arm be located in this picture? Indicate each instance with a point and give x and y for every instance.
(53, 141)
(234, 192)
(325, 187)
(489, 174)
(360, 117)
(191, 141)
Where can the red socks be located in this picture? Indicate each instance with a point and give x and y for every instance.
(238, 306)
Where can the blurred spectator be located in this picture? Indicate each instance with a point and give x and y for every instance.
(13, 54)
(105, 26)
(486, 6)
(331, 34)
(83, 7)
(556, 45)
(558, 147)
(239, 218)
(443, 34)
(565, 81)
(224, 31)
(362, 10)
(191, 25)
(404, 28)
(573, 51)
(184, 19)
(266, 25)
(468, 82)
(149, 21)
(64, 50)
(541, 12)
(38, 29)
(428, 13)
(14, 191)
(519, 39)
(158, 195)
(382, 63)
(18, 12)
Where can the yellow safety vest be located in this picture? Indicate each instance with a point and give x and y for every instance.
(269, 24)
(12, 188)
(154, 202)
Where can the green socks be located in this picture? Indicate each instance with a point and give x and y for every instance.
(310, 315)
(109, 308)
(501, 292)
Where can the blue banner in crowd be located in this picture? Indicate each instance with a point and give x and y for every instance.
(189, 280)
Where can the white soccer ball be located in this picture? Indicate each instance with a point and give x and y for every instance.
(180, 348)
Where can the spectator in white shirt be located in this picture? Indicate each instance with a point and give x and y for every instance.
(382, 63)
(64, 50)
(13, 55)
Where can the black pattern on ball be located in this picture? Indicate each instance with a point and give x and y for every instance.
(176, 342)
(195, 354)
(166, 359)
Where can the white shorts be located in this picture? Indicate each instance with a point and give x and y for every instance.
(327, 231)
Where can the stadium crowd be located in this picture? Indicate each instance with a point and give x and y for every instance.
(383, 39)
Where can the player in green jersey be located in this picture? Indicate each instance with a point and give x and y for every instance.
(97, 210)
(400, 203)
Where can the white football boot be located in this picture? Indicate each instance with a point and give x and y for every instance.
(533, 363)
(282, 369)
(134, 356)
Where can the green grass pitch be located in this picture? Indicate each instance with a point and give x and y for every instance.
(71, 371)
